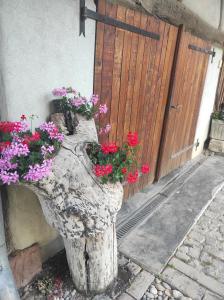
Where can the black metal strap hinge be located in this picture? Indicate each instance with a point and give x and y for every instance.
(203, 50)
(90, 14)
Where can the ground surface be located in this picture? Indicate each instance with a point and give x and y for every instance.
(195, 271)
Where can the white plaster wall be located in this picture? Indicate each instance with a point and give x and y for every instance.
(208, 10)
(208, 99)
(41, 49)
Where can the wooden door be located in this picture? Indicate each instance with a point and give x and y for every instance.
(132, 74)
(188, 77)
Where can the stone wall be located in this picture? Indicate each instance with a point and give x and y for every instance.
(41, 49)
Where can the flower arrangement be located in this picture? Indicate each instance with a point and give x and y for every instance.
(72, 101)
(25, 155)
(117, 164)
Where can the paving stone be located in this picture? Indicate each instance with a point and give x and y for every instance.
(133, 268)
(125, 296)
(200, 277)
(140, 284)
(197, 236)
(177, 294)
(206, 258)
(211, 296)
(183, 283)
(194, 252)
(182, 256)
(102, 297)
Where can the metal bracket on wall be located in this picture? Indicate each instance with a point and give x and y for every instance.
(203, 50)
(90, 14)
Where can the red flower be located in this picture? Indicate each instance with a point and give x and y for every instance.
(109, 148)
(132, 139)
(8, 127)
(34, 138)
(102, 170)
(3, 145)
(124, 170)
(132, 177)
(23, 117)
(145, 169)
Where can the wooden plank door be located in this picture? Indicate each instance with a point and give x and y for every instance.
(132, 74)
(189, 71)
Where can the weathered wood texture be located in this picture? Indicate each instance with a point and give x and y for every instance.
(132, 74)
(83, 211)
(219, 100)
(93, 260)
(185, 97)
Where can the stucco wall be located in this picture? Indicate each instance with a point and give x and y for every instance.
(207, 10)
(40, 49)
(208, 99)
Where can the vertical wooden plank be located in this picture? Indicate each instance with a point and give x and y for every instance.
(116, 84)
(124, 78)
(99, 52)
(153, 96)
(107, 69)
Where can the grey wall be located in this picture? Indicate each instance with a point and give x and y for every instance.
(41, 49)
(208, 10)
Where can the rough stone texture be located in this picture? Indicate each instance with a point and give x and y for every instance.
(216, 146)
(160, 290)
(83, 211)
(25, 265)
(140, 284)
(217, 130)
(206, 242)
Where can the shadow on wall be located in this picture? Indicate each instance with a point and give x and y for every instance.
(27, 224)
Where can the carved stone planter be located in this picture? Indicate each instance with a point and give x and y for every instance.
(217, 136)
(83, 212)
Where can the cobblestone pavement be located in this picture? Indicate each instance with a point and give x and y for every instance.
(196, 270)
(200, 259)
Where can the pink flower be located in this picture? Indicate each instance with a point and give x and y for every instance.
(52, 130)
(94, 99)
(9, 177)
(77, 102)
(15, 149)
(47, 150)
(61, 92)
(103, 109)
(105, 129)
(37, 171)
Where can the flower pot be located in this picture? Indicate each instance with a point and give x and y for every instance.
(217, 130)
(58, 107)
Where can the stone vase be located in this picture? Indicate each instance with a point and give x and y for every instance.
(216, 143)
